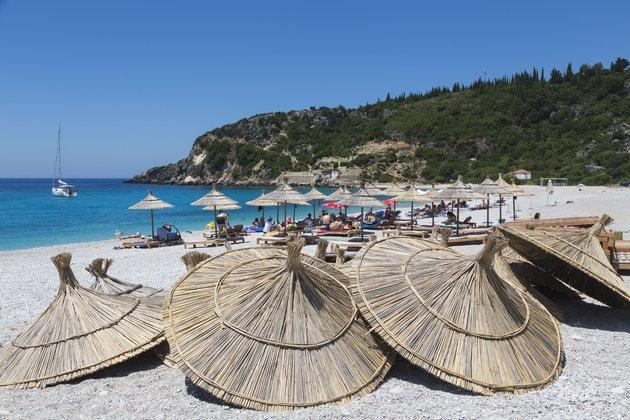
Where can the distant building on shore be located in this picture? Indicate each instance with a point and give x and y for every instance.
(521, 174)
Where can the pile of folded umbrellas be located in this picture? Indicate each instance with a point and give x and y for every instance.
(273, 329)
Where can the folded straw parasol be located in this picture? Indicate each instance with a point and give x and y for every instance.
(108, 285)
(452, 315)
(575, 257)
(516, 192)
(272, 330)
(79, 333)
(489, 187)
(507, 187)
(151, 203)
(215, 200)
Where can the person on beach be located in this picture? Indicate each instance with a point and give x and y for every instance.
(268, 226)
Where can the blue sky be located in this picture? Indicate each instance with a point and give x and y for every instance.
(135, 82)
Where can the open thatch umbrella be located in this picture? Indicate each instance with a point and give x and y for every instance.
(574, 256)
(151, 203)
(272, 329)
(361, 198)
(489, 187)
(79, 333)
(262, 202)
(372, 190)
(285, 194)
(315, 195)
(339, 194)
(106, 284)
(516, 192)
(453, 316)
(507, 187)
(394, 190)
(413, 196)
(215, 200)
(455, 192)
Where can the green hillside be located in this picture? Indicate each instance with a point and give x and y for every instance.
(573, 124)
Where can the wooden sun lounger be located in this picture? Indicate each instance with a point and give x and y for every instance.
(214, 242)
(271, 240)
(347, 233)
(578, 222)
(414, 233)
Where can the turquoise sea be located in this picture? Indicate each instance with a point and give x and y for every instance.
(30, 216)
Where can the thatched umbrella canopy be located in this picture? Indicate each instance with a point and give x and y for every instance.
(452, 315)
(372, 190)
(339, 194)
(272, 329)
(315, 195)
(215, 200)
(79, 333)
(455, 192)
(394, 190)
(286, 194)
(506, 186)
(516, 192)
(574, 256)
(414, 196)
(489, 187)
(151, 203)
(108, 285)
(361, 198)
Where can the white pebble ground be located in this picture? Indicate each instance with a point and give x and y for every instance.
(595, 382)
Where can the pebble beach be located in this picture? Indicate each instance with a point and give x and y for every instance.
(595, 381)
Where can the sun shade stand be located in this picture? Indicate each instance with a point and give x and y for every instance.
(215, 200)
(79, 333)
(453, 316)
(151, 203)
(273, 330)
(575, 257)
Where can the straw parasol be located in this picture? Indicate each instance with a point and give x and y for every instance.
(516, 192)
(455, 192)
(394, 190)
(216, 200)
(574, 256)
(273, 329)
(412, 195)
(507, 187)
(489, 187)
(79, 333)
(262, 202)
(151, 203)
(285, 194)
(452, 315)
(361, 198)
(373, 190)
(315, 195)
(108, 285)
(339, 194)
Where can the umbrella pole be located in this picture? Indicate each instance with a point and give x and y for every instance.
(216, 230)
(500, 208)
(285, 216)
(278, 213)
(361, 221)
(513, 208)
(457, 231)
(152, 225)
(263, 211)
(294, 207)
(488, 210)
(412, 215)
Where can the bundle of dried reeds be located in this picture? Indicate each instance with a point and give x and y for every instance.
(575, 257)
(79, 333)
(272, 329)
(454, 316)
(106, 284)
(192, 258)
(320, 252)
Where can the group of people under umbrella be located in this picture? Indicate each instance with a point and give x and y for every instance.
(364, 197)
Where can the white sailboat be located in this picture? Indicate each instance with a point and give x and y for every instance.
(60, 188)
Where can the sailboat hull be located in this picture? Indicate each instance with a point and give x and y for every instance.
(64, 192)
